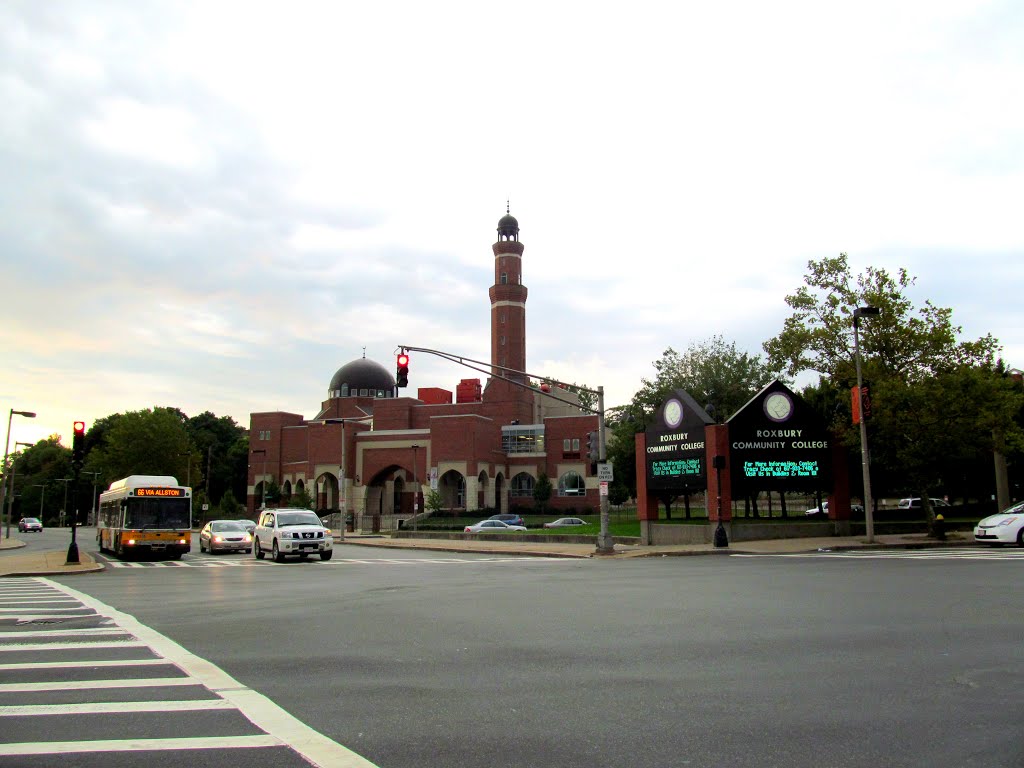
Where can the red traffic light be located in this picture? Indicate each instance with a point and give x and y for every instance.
(403, 359)
(79, 427)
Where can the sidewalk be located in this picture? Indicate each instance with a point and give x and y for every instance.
(13, 562)
(48, 563)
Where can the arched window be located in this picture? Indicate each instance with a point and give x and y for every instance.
(504, 278)
(521, 485)
(571, 484)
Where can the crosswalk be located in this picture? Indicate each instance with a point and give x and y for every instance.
(249, 562)
(67, 659)
(957, 553)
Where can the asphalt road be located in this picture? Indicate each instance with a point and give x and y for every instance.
(413, 658)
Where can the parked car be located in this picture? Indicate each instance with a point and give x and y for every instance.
(565, 522)
(248, 524)
(493, 526)
(1007, 527)
(285, 532)
(33, 524)
(915, 503)
(509, 519)
(224, 536)
(823, 510)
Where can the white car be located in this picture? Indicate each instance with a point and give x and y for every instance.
(284, 532)
(915, 503)
(565, 522)
(493, 526)
(1005, 528)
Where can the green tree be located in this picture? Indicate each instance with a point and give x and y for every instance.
(229, 506)
(301, 499)
(149, 442)
(712, 371)
(542, 491)
(222, 448)
(433, 501)
(935, 399)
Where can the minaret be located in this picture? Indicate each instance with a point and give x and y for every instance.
(508, 301)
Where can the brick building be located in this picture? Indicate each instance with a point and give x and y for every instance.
(369, 450)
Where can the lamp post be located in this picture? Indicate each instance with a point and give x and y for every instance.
(10, 501)
(263, 475)
(7, 443)
(64, 509)
(92, 501)
(869, 517)
(42, 495)
(415, 492)
(343, 471)
(188, 480)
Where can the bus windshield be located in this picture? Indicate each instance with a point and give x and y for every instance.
(156, 514)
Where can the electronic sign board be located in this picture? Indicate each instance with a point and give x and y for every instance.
(676, 453)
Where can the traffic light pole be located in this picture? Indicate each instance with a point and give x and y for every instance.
(605, 545)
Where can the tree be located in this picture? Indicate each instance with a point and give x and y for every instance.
(542, 491)
(150, 442)
(712, 371)
(935, 398)
(229, 506)
(301, 499)
(433, 501)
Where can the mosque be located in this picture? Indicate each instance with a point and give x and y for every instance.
(374, 454)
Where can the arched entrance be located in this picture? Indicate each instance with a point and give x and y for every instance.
(452, 487)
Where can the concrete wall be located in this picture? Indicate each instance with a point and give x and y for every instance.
(744, 531)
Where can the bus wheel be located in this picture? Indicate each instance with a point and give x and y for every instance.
(260, 554)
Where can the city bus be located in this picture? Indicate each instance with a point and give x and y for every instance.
(145, 515)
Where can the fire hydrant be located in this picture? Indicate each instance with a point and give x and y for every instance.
(940, 527)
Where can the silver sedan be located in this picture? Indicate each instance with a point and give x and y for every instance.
(224, 536)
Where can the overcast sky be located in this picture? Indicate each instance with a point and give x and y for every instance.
(215, 205)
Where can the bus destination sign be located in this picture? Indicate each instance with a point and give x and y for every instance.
(162, 492)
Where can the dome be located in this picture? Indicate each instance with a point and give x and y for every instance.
(362, 374)
(508, 226)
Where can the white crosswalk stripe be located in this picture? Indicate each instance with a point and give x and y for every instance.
(211, 563)
(959, 553)
(31, 656)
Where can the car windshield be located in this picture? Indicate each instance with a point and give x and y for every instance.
(297, 518)
(226, 526)
(31, 520)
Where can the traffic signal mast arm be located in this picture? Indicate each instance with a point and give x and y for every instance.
(604, 539)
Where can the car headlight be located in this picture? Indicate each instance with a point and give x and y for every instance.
(247, 538)
(1008, 520)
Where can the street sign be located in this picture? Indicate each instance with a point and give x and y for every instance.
(604, 472)
(604, 489)
(433, 478)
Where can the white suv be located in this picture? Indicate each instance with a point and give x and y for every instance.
(291, 532)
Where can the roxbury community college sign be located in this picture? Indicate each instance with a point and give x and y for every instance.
(676, 455)
(778, 443)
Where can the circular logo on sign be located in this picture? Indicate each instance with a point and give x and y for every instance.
(673, 413)
(778, 406)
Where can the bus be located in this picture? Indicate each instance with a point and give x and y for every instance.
(145, 514)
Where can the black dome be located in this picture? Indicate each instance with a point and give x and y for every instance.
(361, 374)
(507, 225)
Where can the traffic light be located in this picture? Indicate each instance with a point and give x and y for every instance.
(78, 446)
(593, 447)
(402, 377)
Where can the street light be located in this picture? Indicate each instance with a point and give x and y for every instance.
(188, 480)
(263, 475)
(869, 516)
(10, 501)
(343, 471)
(92, 501)
(42, 495)
(415, 495)
(7, 444)
(64, 509)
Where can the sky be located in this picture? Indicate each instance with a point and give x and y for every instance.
(215, 205)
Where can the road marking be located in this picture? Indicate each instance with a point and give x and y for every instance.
(111, 707)
(134, 745)
(283, 727)
(52, 610)
(62, 632)
(530, 560)
(87, 685)
(881, 554)
(126, 643)
(83, 664)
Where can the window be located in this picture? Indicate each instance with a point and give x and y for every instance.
(567, 445)
(576, 445)
(264, 434)
(504, 278)
(525, 438)
(502, 341)
(521, 486)
(571, 484)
